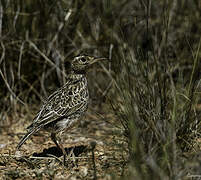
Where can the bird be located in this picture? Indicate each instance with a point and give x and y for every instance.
(64, 107)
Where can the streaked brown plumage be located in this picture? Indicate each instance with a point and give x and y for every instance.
(65, 106)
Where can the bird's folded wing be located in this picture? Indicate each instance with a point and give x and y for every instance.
(61, 103)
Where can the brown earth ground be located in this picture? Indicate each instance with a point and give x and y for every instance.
(39, 158)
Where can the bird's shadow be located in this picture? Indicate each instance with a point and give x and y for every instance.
(58, 152)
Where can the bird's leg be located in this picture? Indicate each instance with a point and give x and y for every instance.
(60, 146)
(73, 156)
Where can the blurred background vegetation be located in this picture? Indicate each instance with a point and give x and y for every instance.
(151, 83)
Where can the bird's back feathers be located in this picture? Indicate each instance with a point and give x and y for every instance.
(70, 99)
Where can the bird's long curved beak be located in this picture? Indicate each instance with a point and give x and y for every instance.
(97, 59)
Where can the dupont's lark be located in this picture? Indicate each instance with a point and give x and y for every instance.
(65, 106)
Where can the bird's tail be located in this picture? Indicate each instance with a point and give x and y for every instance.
(26, 136)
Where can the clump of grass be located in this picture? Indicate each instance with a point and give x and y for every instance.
(157, 109)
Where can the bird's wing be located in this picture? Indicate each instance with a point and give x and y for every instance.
(65, 101)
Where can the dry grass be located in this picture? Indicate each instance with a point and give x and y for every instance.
(152, 82)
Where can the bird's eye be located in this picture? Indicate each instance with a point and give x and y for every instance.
(83, 60)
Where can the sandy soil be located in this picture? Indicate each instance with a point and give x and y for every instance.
(98, 151)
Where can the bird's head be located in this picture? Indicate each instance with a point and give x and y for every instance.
(82, 62)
